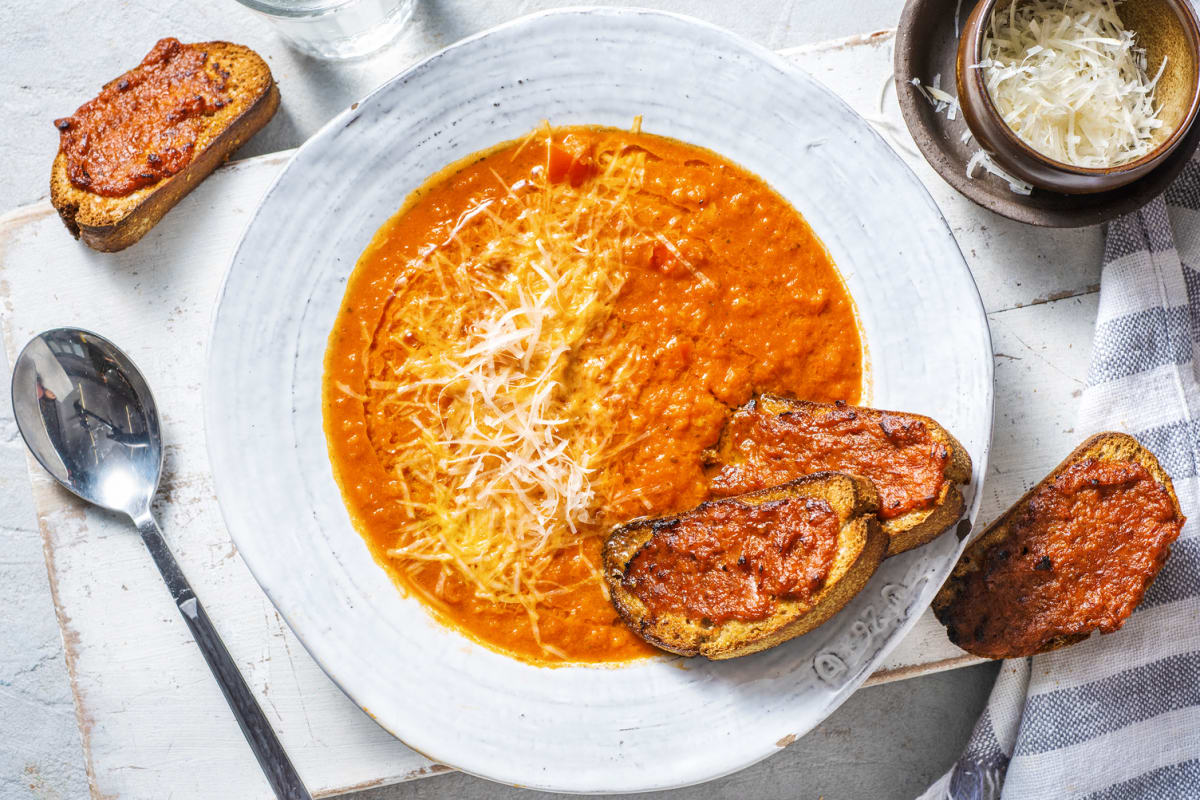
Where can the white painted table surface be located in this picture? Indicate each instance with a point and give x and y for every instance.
(145, 701)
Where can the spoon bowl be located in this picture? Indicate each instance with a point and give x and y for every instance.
(88, 416)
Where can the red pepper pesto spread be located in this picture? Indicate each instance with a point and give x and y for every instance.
(732, 561)
(898, 454)
(723, 291)
(144, 125)
(1079, 558)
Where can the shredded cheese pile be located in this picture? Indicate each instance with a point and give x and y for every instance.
(504, 452)
(1069, 79)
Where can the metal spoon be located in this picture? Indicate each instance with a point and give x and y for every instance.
(88, 416)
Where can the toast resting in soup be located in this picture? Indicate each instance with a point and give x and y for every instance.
(915, 464)
(1075, 555)
(151, 135)
(738, 575)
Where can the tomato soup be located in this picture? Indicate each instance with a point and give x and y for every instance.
(541, 344)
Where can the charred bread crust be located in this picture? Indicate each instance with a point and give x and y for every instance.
(916, 527)
(110, 224)
(1108, 446)
(861, 547)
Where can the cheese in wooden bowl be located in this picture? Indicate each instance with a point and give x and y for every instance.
(1080, 96)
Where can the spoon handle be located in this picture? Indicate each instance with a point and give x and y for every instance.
(276, 765)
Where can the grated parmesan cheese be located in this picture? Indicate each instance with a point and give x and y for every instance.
(944, 101)
(939, 98)
(984, 160)
(503, 458)
(1069, 79)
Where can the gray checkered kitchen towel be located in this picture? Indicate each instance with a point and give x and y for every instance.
(1118, 716)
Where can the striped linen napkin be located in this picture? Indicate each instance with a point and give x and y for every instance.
(1118, 716)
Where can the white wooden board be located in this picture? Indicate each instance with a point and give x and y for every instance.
(145, 701)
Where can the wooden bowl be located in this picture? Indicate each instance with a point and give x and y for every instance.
(1164, 28)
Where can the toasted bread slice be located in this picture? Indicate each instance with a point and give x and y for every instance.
(113, 223)
(858, 551)
(1008, 598)
(742, 461)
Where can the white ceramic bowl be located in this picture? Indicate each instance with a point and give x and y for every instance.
(654, 724)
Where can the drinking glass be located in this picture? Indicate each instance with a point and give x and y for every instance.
(336, 29)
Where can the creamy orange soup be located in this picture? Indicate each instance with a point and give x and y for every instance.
(541, 344)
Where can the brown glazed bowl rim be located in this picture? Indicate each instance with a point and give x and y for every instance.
(971, 43)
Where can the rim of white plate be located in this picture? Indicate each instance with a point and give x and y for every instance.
(882, 621)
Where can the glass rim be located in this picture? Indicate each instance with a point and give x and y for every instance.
(282, 8)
